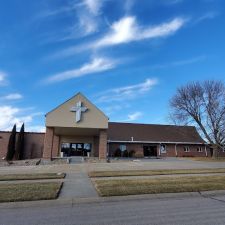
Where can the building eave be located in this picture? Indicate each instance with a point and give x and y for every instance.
(157, 142)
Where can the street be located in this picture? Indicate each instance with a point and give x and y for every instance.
(177, 210)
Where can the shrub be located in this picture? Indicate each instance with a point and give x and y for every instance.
(19, 151)
(11, 144)
(138, 154)
(117, 153)
(131, 153)
(125, 153)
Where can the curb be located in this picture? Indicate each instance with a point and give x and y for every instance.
(71, 202)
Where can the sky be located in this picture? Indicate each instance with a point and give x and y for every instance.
(126, 56)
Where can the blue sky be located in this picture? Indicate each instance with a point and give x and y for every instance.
(128, 57)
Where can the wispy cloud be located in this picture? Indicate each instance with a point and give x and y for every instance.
(128, 30)
(206, 16)
(97, 65)
(180, 62)
(94, 6)
(3, 76)
(12, 96)
(127, 92)
(87, 15)
(172, 2)
(134, 116)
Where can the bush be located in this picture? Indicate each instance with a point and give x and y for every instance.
(117, 153)
(11, 144)
(138, 154)
(131, 153)
(125, 153)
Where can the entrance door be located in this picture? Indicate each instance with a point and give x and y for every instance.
(150, 150)
(75, 149)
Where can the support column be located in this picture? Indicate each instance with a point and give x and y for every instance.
(48, 143)
(55, 146)
(102, 144)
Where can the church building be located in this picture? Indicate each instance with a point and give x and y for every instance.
(78, 128)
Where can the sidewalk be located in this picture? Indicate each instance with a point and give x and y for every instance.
(77, 185)
(215, 195)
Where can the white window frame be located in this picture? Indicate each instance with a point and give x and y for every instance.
(186, 149)
(199, 149)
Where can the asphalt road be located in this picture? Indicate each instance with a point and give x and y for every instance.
(182, 211)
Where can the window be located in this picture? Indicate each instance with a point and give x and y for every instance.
(123, 148)
(199, 149)
(186, 149)
(163, 148)
(87, 147)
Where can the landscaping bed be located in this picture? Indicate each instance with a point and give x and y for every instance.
(152, 172)
(29, 191)
(121, 187)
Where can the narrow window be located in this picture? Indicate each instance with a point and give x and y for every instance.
(199, 149)
(186, 149)
(163, 148)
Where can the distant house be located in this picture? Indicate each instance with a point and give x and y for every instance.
(78, 128)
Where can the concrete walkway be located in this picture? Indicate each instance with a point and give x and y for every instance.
(77, 185)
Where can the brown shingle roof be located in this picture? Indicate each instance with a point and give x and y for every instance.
(153, 133)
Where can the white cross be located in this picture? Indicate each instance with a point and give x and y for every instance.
(78, 109)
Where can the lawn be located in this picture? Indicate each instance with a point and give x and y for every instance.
(159, 185)
(37, 176)
(207, 159)
(29, 191)
(152, 172)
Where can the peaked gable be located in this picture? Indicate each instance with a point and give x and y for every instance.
(65, 116)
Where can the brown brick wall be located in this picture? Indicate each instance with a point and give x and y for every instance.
(33, 144)
(170, 150)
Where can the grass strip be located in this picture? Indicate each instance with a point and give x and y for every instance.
(29, 191)
(207, 159)
(152, 172)
(34, 176)
(159, 185)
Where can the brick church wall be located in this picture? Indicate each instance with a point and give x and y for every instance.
(34, 144)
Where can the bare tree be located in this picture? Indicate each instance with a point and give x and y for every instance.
(202, 104)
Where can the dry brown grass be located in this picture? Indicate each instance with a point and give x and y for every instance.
(29, 191)
(37, 176)
(152, 172)
(159, 185)
(207, 159)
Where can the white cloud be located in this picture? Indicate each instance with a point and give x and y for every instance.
(13, 96)
(10, 115)
(127, 30)
(134, 116)
(97, 65)
(127, 92)
(3, 76)
(206, 16)
(94, 6)
(36, 128)
(180, 62)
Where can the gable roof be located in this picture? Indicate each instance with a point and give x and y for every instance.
(153, 133)
(79, 93)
